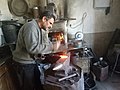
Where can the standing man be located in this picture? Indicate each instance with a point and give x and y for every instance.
(32, 40)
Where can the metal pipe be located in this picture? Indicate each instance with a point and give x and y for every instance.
(61, 79)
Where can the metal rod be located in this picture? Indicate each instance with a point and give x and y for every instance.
(61, 79)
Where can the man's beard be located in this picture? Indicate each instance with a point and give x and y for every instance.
(44, 28)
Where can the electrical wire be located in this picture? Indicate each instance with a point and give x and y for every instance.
(83, 18)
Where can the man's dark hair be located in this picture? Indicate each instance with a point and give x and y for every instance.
(48, 14)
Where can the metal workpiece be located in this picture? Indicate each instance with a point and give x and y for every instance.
(67, 77)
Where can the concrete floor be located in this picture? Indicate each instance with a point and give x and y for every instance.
(112, 83)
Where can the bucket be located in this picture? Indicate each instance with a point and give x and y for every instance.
(10, 33)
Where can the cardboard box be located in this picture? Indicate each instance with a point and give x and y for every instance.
(101, 73)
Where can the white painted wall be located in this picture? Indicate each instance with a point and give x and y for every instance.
(4, 11)
(96, 20)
